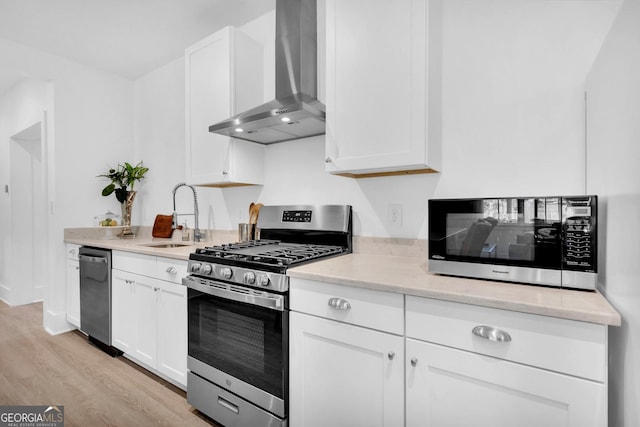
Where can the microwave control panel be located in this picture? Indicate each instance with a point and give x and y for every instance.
(579, 246)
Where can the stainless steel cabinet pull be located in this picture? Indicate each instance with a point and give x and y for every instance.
(171, 270)
(391, 355)
(490, 333)
(414, 361)
(328, 160)
(156, 289)
(339, 304)
(230, 406)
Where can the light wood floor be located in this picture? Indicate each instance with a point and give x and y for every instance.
(95, 389)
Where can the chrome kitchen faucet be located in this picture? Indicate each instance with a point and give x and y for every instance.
(197, 234)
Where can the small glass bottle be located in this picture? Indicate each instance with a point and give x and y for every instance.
(186, 233)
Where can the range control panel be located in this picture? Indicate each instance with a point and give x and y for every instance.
(579, 228)
(296, 216)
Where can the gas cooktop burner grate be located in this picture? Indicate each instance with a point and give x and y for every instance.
(269, 252)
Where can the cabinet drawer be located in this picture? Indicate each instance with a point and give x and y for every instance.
(572, 347)
(383, 311)
(171, 270)
(135, 263)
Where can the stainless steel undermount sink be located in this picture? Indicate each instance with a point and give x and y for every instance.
(166, 245)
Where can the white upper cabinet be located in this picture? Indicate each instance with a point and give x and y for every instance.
(224, 76)
(383, 86)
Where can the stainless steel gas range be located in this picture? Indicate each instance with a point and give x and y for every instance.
(238, 310)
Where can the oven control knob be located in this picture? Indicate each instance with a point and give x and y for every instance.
(195, 267)
(206, 269)
(264, 281)
(226, 273)
(250, 278)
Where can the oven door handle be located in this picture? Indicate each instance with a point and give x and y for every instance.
(236, 293)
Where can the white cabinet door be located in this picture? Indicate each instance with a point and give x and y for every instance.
(172, 331)
(123, 311)
(145, 296)
(456, 388)
(344, 375)
(223, 75)
(377, 85)
(73, 284)
(73, 292)
(150, 315)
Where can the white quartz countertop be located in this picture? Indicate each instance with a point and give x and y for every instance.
(400, 274)
(140, 244)
(410, 276)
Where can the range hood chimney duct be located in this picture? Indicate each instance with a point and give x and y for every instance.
(296, 111)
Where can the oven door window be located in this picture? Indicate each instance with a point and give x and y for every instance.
(240, 339)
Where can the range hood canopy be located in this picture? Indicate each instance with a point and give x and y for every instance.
(296, 111)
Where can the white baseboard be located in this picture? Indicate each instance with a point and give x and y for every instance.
(4, 294)
(56, 323)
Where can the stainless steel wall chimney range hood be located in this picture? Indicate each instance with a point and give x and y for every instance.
(296, 111)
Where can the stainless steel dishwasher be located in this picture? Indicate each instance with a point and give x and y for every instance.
(95, 297)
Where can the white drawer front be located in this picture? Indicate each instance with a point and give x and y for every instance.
(171, 270)
(135, 263)
(575, 348)
(383, 311)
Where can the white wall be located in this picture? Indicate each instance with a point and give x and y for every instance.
(20, 107)
(90, 126)
(159, 136)
(512, 124)
(160, 143)
(612, 171)
(513, 120)
(513, 95)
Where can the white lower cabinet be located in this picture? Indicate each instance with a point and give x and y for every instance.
(135, 301)
(73, 285)
(456, 388)
(360, 357)
(343, 374)
(149, 319)
(123, 311)
(172, 336)
(547, 372)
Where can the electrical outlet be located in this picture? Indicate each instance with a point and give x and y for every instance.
(394, 215)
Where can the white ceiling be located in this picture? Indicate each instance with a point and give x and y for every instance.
(126, 37)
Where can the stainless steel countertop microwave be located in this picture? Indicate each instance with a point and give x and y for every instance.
(549, 241)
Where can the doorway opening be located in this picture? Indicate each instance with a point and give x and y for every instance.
(28, 202)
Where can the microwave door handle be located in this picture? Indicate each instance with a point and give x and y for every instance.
(226, 291)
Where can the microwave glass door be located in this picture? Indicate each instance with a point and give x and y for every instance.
(511, 231)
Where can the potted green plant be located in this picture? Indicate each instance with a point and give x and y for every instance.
(123, 179)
